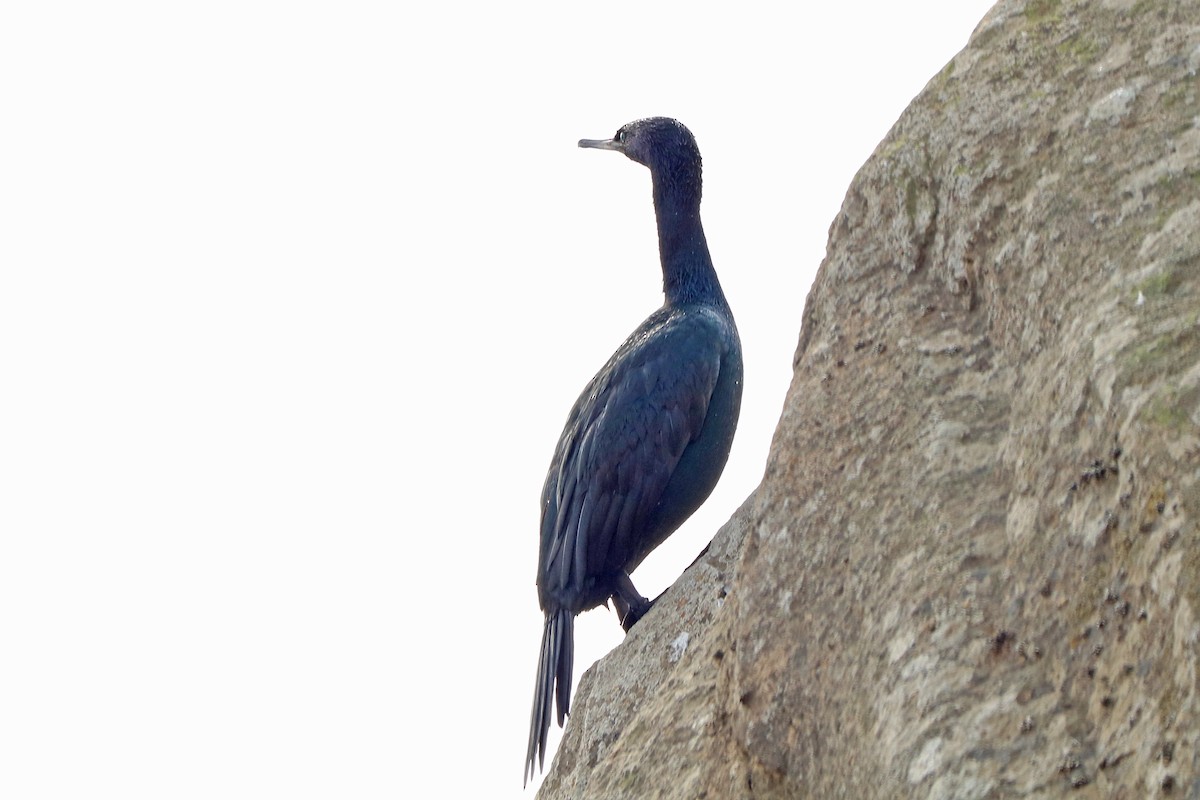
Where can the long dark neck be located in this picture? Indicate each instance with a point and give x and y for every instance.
(688, 274)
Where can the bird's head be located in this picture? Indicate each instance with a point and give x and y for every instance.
(664, 145)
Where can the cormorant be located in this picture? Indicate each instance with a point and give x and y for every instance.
(647, 440)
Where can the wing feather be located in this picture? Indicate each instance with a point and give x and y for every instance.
(621, 445)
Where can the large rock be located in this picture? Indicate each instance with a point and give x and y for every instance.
(972, 568)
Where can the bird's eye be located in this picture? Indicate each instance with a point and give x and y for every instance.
(620, 137)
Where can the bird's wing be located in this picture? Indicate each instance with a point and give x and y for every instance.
(621, 445)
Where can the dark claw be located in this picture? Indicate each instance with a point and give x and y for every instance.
(632, 614)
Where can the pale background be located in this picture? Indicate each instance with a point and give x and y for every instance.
(294, 299)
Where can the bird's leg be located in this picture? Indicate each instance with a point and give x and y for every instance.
(630, 605)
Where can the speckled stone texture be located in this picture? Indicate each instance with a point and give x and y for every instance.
(972, 569)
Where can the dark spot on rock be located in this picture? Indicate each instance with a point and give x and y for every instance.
(1000, 640)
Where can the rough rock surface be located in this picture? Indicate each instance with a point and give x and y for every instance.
(973, 566)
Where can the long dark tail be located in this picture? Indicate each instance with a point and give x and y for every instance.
(554, 668)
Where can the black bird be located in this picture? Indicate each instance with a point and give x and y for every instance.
(648, 438)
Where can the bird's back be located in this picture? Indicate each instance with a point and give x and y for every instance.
(643, 447)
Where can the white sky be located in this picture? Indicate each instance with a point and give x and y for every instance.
(294, 299)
